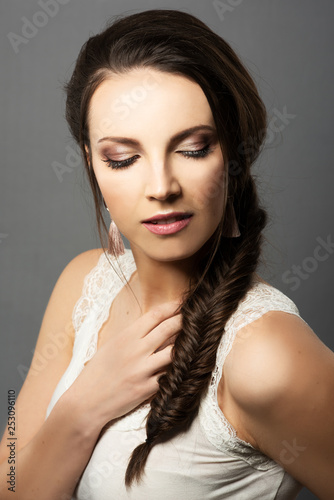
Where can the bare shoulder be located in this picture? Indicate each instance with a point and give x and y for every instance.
(68, 289)
(281, 379)
(53, 349)
(254, 368)
(271, 352)
(72, 277)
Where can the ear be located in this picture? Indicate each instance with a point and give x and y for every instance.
(87, 155)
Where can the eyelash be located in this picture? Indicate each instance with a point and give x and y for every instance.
(195, 155)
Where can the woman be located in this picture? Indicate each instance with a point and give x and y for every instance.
(183, 374)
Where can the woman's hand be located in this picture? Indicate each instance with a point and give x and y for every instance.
(124, 372)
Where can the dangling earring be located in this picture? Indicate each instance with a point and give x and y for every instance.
(233, 229)
(116, 245)
(115, 242)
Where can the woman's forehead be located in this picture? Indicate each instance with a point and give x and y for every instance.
(147, 99)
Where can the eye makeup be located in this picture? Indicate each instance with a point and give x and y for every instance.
(200, 147)
(194, 154)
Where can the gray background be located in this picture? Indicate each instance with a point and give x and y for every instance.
(47, 220)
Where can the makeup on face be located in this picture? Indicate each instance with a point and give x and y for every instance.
(117, 157)
(159, 170)
(168, 223)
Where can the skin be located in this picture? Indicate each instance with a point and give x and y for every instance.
(278, 379)
(161, 179)
(276, 390)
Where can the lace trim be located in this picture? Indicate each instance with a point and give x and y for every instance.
(91, 286)
(101, 286)
(259, 300)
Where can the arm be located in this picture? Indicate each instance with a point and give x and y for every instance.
(50, 465)
(281, 378)
(52, 454)
(36, 447)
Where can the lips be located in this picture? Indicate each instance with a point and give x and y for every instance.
(168, 224)
(167, 218)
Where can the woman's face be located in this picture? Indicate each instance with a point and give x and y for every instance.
(155, 151)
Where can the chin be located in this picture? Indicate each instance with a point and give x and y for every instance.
(175, 252)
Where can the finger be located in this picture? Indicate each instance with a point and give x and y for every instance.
(170, 340)
(154, 317)
(163, 333)
(161, 360)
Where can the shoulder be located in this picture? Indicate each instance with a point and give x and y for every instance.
(280, 376)
(268, 354)
(53, 349)
(272, 345)
(57, 325)
(57, 331)
(72, 277)
(262, 298)
(68, 287)
(80, 265)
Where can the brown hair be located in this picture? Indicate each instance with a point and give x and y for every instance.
(179, 43)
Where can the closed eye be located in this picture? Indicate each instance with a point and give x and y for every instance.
(197, 153)
(194, 154)
(120, 164)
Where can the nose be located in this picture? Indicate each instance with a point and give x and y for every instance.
(162, 182)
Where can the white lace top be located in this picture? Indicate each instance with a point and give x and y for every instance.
(208, 461)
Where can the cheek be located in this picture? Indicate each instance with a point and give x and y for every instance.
(209, 186)
(110, 187)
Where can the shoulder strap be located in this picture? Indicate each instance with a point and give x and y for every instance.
(91, 284)
(100, 287)
(259, 300)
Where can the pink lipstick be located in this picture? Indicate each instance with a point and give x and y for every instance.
(167, 223)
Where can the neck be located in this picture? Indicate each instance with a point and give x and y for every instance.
(156, 281)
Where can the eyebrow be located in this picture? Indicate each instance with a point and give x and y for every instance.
(175, 139)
